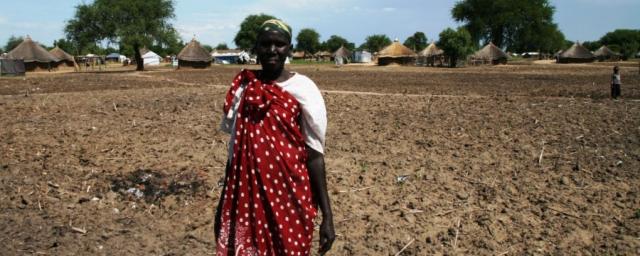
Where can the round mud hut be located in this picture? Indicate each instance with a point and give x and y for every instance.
(606, 54)
(194, 56)
(341, 56)
(66, 60)
(576, 54)
(430, 55)
(396, 53)
(34, 56)
(490, 54)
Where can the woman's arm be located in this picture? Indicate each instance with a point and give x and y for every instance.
(317, 177)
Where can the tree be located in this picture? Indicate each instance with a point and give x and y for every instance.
(455, 44)
(246, 37)
(591, 45)
(308, 40)
(517, 25)
(335, 42)
(135, 23)
(627, 40)
(12, 42)
(207, 47)
(222, 46)
(416, 42)
(375, 43)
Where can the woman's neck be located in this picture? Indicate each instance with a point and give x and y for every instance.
(278, 75)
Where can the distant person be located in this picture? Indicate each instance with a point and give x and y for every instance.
(615, 83)
(275, 176)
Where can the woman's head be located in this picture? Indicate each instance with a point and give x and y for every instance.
(273, 46)
(615, 69)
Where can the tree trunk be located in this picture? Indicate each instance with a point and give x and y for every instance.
(138, 57)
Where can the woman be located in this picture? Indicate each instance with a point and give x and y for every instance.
(275, 175)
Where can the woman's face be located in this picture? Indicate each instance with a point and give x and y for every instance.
(272, 49)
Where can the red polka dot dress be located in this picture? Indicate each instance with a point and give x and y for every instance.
(267, 206)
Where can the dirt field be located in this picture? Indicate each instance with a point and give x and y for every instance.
(506, 160)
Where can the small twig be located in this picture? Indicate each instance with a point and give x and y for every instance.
(541, 153)
(115, 107)
(563, 212)
(79, 230)
(405, 247)
(455, 240)
(445, 212)
(355, 189)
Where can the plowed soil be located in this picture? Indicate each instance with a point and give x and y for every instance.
(505, 160)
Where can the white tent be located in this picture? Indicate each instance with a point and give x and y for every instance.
(151, 59)
(362, 57)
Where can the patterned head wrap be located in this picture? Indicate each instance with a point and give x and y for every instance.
(276, 25)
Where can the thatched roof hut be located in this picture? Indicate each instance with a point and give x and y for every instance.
(430, 55)
(342, 55)
(396, 53)
(490, 54)
(65, 58)
(604, 53)
(431, 50)
(33, 55)
(194, 55)
(576, 54)
(323, 56)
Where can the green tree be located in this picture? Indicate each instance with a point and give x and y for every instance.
(518, 25)
(416, 42)
(628, 41)
(222, 46)
(308, 40)
(246, 37)
(207, 47)
(455, 44)
(375, 43)
(12, 42)
(591, 45)
(335, 42)
(135, 23)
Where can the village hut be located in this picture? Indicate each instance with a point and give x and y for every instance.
(606, 54)
(115, 57)
(430, 55)
(33, 55)
(341, 56)
(396, 53)
(230, 56)
(576, 54)
(362, 57)
(11, 67)
(323, 56)
(150, 58)
(66, 60)
(194, 56)
(302, 55)
(490, 54)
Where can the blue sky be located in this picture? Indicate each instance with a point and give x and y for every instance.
(214, 22)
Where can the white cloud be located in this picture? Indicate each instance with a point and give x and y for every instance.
(388, 9)
(3, 20)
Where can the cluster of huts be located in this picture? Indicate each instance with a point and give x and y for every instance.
(30, 56)
(490, 54)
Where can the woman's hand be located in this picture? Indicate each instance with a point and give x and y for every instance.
(327, 235)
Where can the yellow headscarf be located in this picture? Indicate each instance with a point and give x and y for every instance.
(277, 25)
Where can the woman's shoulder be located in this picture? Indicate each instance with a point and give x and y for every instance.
(300, 80)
